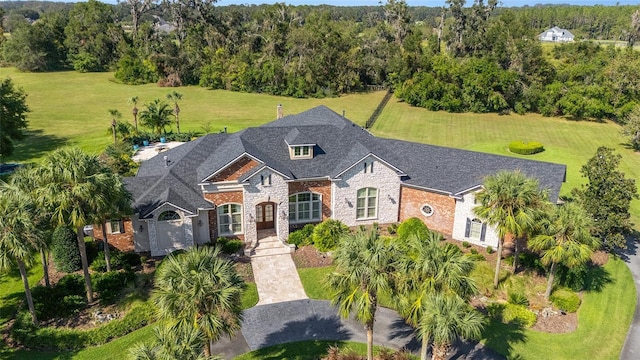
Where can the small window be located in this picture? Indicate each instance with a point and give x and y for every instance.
(305, 207)
(476, 229)
(426, 210)
(115, 227)
(302, 152)
(265, 180)
(168, 216)
(365, 168)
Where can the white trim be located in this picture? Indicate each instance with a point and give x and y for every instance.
(175, 206)
(433, 210)
(400, 172)
(290, 145)
(471, 189)
(220, 233)
(440, 192)
(264, 166)
(309, 179)
(229, 164)
(366, 204)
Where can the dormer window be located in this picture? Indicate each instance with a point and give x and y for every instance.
(301, 151)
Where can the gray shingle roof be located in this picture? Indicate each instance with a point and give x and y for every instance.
(339, 144)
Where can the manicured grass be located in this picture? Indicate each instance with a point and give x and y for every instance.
(603, 322)
(304, 350)
(565, 141)
(313, 281)
(70, 108)
(250, 296)
(12, 290)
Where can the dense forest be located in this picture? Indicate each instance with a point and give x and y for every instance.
(477, 57)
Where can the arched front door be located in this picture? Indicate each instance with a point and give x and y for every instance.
(264, 215)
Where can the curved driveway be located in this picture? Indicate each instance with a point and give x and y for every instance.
(299, 320)
(631, 349)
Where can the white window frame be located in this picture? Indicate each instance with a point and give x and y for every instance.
(433, 210)
(475, 226)
(227, 228)
(297, 204)
(301, 151)
(366, 206)
(177, 213)
(111, 223)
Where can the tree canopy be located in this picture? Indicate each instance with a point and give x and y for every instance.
(13, 116)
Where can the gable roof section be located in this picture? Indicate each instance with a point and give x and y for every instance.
(339, 145)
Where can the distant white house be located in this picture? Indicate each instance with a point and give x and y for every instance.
(556, 34)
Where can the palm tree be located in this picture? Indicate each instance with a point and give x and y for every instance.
(115, 114)
(174, 97)
(19, 235)
(446, 318)
(156, 116)
(199, 289)
(24, 181)
(432, 267)
(134, 101)
(118, 204)
(565, 239)
(364, 269)
(74, 185)
(185, 343)
(511, 202)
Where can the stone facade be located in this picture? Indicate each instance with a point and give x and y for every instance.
(122, 241)
(236, 170)
(345, 190)
(441, 219)
(277, 192)
(220, 198)
(464, 213)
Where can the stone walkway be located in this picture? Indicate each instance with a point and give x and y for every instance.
(275, 273)
(631, 349)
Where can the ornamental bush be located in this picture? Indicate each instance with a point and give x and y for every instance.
(302, 237)
(110, 284)
(523, 148)
(518, 314)
(327, 234)
(64, 249)
(61, 300)
(412, 226)
(566, 300)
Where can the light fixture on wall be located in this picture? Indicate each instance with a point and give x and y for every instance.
(140, 228)
(393, 201)
(199, 222)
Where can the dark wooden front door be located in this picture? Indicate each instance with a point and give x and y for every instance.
(264, 215)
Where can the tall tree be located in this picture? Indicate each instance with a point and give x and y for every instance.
(19, 235)
(13, 116)
(199, 289)
(134, 111)
(117, 204)
(607, 197)
(509, 201)
(631, 128)
(364, 270)
(156, 116)
(74, 185)
(431, 267)
(565, 239)
(447, 318)
(174, 97)
(115, 114)
(138, 8)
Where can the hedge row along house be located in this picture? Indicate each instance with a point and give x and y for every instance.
(306, 168)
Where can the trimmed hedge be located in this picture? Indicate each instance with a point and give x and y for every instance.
(61, 300)
(327, 234)
(511, 313)
(302, 237)
(412, 226)
(523, 148)
(52, 339)
(229, 246)
(110, 284)
(566, 300)
(64, 250)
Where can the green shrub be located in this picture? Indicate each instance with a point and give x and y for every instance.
(110, 284)
(302, 237)
(574, 278)
(519, 147)
(61, 300)
(54, 339)
(476, 257)
(566, 300)
(392, 229)
(232, 246)
(64, 250)
(474, 251)
(412, 227)
(466, 245)
(72, 284)
(517, 298)
(119, 260)
(327, 234)
(518, 314)
(489, 250)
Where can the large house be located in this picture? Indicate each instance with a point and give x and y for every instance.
(306, 168)
(556, 34)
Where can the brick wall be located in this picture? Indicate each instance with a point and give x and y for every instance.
(235, 170)
(219, 199)
(122, 241)
(444, 207)
(322, 187)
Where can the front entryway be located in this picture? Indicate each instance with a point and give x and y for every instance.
(264, 215)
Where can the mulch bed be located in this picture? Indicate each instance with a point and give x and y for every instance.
(308, 256)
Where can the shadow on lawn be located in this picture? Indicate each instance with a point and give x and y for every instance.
(35, 145)
(501, 337)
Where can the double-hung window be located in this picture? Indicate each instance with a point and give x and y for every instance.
(367, 203)
(230, 219)
(305, 207)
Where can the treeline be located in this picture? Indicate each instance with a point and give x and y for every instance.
(479, 58)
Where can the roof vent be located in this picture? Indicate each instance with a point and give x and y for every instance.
(166, 161)
(279, 112)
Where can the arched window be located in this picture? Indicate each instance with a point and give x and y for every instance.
(230, 219)
(305, 207)
(367, 203)
(168, 216)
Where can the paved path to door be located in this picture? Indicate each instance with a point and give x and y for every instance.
(631, 349)
(277, 279)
